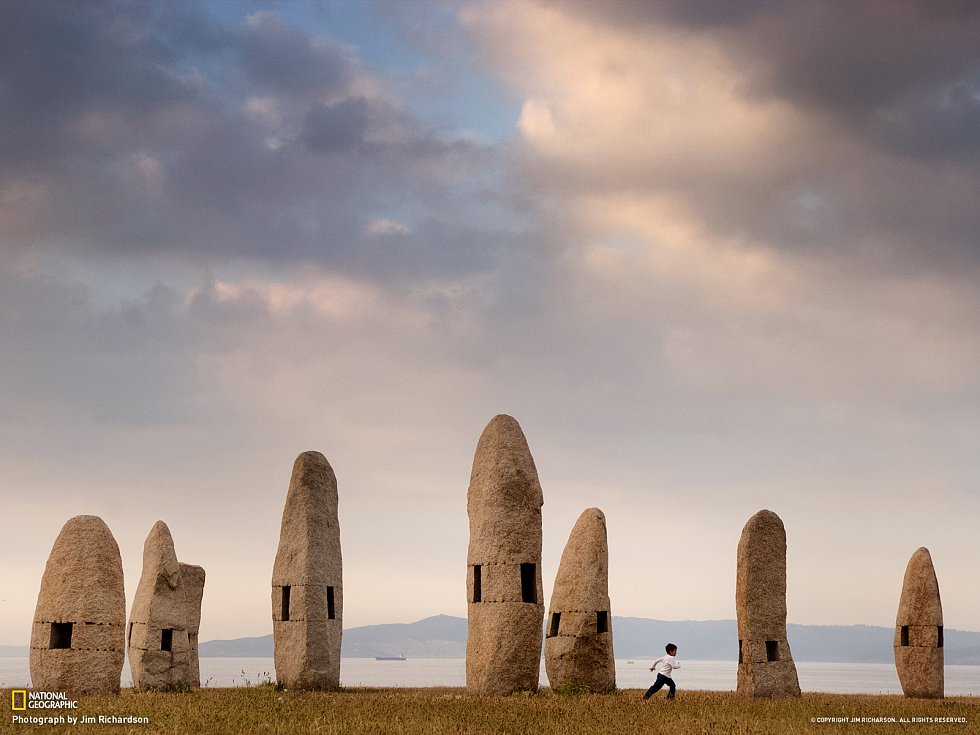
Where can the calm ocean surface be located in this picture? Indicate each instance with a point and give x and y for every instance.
(451, 672)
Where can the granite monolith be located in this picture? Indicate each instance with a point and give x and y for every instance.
(919, 630)
(578, 645)
(307, 580)
(164, 620)
(78, 634)
(765, 663)
(505, 606)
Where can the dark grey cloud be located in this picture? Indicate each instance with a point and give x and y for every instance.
(907, 66)
(62, 61)
(133, 129)
(278, 59)
(886, 167)
(340, 126)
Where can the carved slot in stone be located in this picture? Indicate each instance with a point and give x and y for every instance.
(529, 589)
(555, 622)
(602, 621)
(940, 638)
(740, 659)
(477, 583)
(61, 635)
(285, 603)
(905, 635)
(167, 639)
(129, 635)
(772, 650)
(331, 613)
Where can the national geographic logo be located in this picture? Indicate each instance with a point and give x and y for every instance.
(22, 700)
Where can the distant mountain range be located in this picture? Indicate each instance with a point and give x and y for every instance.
(444, 636)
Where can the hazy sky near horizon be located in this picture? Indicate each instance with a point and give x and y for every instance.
(714, 257)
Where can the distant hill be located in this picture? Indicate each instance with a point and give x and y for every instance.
(444, 636)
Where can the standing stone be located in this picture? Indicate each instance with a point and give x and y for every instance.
(307, 580)
(165, 618)
(578, 646)
(78, 634)
(919, 630)
(765, 664)
(504, 594)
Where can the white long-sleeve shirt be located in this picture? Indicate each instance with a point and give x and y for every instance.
(667, 664)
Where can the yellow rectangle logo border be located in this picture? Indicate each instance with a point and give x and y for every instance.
(13, 699)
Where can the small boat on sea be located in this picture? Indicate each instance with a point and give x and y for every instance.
(390, 658)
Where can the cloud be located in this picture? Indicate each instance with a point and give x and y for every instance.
(848, 130)
(135, 131)
(703, 281)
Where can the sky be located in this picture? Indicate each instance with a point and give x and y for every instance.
(714, 257)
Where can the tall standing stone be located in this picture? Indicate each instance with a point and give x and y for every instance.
(765, 664)
(78, 634)
(307, 580)
(165, 618)
(504, 594)
(578, 646)
(919, 630)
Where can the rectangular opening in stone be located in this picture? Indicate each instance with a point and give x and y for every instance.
(529, 587)
(60, 635)
(285, 604)
(772, 650)
(331, 614)
(740, 651)
(167, 639)
(477, 583)
(129, 635)
(940, 639)
(602, 621)
(555, 621)
(905, 635)
(192, 641)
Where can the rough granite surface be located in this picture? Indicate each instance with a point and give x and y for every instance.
(766, 667)
(82, 585)
(920, 611)
(168, 598)
(577, 655)
(503, 645)
(308, 563)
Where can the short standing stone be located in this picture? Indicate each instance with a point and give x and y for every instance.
(505, 606)
(166, 616)
(919, 630)
(578, 646)
(765, 664)
(78, 634)
(307, 585)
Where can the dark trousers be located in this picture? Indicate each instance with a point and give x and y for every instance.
(659, 684)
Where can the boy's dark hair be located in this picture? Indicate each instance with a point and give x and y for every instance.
(670, 648)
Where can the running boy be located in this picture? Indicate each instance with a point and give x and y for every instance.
(667, 664)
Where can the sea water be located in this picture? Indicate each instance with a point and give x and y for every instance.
(837, 678)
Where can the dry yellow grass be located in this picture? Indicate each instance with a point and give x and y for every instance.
(263, 709)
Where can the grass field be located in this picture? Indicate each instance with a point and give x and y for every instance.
(263, 709)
